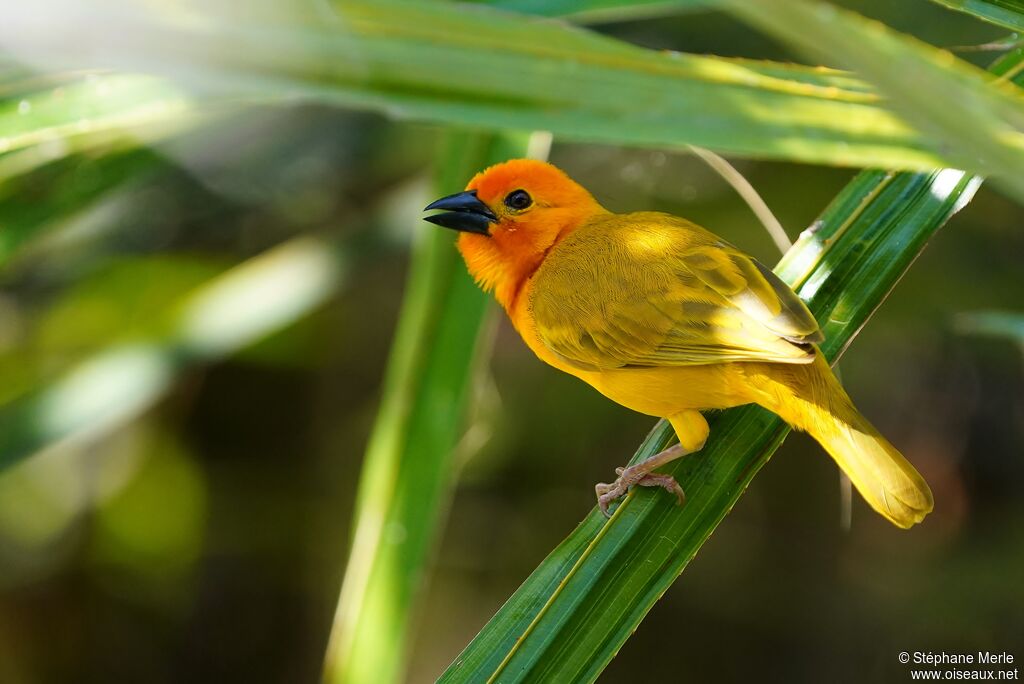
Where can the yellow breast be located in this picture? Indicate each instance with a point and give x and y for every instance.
(656, 391)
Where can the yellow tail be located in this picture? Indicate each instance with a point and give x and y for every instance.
(811, 399)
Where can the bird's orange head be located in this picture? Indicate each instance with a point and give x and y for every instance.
(510, 216)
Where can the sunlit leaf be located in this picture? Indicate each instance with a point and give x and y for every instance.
(599, 10)
(485, 68)
(79, 111)
(977, 117)
(1006, 13)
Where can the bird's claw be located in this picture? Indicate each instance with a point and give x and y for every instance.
(608, 493)
(666, 482)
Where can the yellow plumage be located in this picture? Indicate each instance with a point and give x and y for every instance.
(667, 319)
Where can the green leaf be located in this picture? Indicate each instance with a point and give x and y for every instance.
(1006, 13)
(600, 10)
(577, 609)
(407, 475)
(977, 116)
(84, 111)
(484, 68)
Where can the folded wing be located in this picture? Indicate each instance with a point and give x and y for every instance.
(649, 289)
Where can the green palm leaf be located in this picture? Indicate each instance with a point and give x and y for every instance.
(485, 68)
(1006, 13)
(931, 87)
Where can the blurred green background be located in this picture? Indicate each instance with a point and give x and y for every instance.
(202, 536)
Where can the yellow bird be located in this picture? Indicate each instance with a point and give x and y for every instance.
(665, 318)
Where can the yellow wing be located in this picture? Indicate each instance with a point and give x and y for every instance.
(650, 289)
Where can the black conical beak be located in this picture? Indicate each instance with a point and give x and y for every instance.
(464, 212)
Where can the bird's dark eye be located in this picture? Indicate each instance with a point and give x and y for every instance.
(518, 200)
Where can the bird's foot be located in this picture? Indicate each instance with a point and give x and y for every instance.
(635, 475)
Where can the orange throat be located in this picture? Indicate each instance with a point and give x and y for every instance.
(500, 264)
